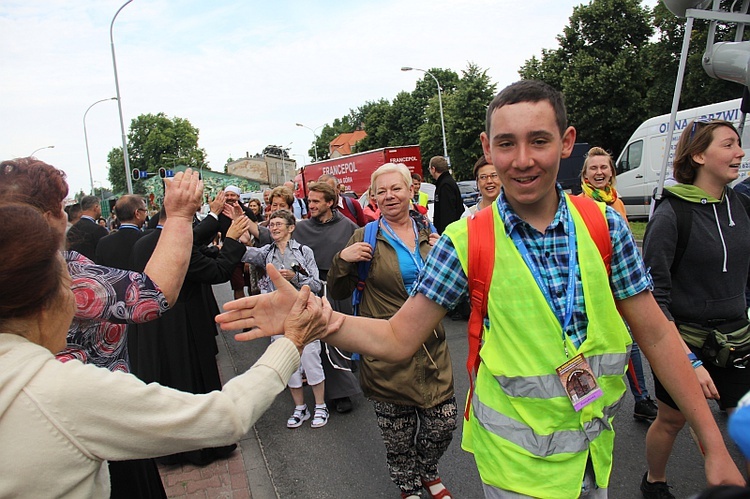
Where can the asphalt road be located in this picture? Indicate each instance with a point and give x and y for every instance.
(346, 458)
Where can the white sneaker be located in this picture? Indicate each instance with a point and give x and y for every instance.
(298, 417)
(321, 417)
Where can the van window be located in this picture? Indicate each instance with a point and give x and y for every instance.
(631, 157)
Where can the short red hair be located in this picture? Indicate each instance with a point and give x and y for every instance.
(34, 182)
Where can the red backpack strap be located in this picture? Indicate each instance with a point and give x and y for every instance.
(481, 234)
(596, 222)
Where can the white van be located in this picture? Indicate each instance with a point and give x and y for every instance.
(639, 165)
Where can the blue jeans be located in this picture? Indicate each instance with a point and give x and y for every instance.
(635, 374)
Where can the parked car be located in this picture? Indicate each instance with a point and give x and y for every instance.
(469, 192)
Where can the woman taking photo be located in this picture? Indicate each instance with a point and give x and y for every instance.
(696, 245)
(64, 420)
(413, 400)
(598, 183)
(297, 264)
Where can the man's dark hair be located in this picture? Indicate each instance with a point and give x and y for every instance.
(416, 176)
(439, 163)
(88, 202)
(73, 211)
(529, 91)
(328, 193)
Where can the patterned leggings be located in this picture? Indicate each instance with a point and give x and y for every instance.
(415, 439)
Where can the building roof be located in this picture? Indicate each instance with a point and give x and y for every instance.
(343, 143)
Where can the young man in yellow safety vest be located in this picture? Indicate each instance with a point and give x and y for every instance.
(554, 343)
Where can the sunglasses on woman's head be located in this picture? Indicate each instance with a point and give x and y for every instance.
(702, 121)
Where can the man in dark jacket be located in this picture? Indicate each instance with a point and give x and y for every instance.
(85, 234)
(448, 204)
(114, 250)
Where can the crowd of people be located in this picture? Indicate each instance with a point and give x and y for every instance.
(108, 362)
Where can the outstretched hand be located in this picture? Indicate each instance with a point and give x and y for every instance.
(217, 205)
(265, 313)
(309, 318)
(183, 194)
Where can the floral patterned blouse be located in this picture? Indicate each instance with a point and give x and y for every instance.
(107, 299)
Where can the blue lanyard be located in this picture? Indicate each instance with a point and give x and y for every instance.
(573, 264)
(416, 256)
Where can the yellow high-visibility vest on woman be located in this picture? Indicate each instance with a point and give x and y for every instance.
(522, 429)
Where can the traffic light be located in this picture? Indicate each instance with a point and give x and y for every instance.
(164, 173)
(136, 174)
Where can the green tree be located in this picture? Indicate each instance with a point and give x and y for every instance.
(341, 125)
(600, 69)
(156, 141)
(465, 114)
(377, 121)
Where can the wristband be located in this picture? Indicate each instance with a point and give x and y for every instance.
(697, 363)
(692, 357)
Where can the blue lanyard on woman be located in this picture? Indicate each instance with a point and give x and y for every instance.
(416, 256)
(571, 291)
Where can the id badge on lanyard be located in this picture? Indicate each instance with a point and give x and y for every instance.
(575, 374)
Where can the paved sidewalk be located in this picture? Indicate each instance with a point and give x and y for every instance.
(225, 478)
(243, 475)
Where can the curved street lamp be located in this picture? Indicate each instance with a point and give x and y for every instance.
(315, 144)
(37, 150)
(86, 138)
(440, 101)
(119, 103)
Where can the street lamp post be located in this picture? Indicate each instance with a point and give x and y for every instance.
(440, 101)
(119, 103)
(315, 144)
(86, 138)
(37, 150)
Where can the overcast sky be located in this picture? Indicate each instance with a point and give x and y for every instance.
(243, 72)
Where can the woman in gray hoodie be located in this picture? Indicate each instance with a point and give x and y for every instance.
(696, 245)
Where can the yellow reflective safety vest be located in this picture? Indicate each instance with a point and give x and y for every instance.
(522, 428)
(423, 198)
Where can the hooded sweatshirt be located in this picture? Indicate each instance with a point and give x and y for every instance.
(709, 284)
(59, 422)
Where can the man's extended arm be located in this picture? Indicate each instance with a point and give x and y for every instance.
(391, 340)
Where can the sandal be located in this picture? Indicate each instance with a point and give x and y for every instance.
(320, 418)
(443, 494)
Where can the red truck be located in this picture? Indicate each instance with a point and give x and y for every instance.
(354, 170)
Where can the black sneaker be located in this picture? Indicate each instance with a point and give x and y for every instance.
(645, 409)
(655, 490)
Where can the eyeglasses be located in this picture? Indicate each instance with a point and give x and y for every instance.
(274, 225)
(702, 121)
(142, 209)
(486, 176)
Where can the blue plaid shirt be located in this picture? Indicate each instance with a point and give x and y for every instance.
(443, 279)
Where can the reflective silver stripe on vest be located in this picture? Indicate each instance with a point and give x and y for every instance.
(564, 441)
(549, 386)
